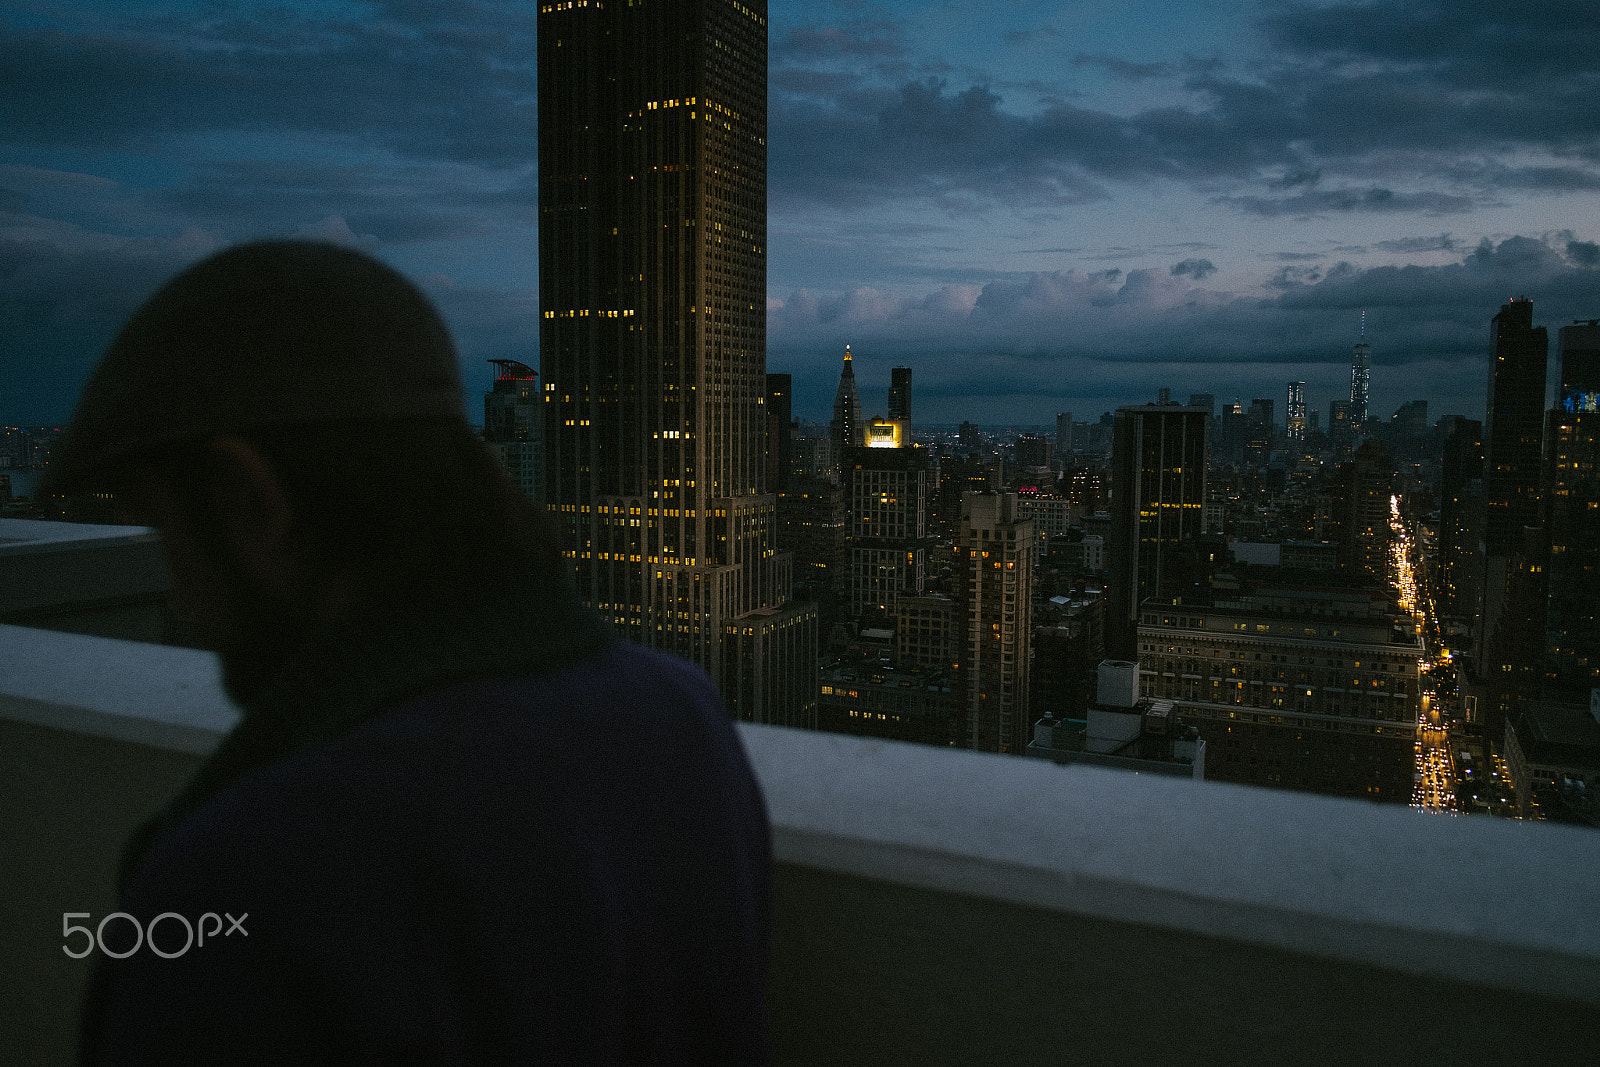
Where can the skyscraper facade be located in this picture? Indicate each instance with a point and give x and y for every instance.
(1572, 500)
(1064, 434)
(513, 424)
(1296, 412)
(1579, 391)
(994, 553)
(1158, 493)
(652, 252)
(1461, 521)
(900, 395)
(890, 494)
(1513, 428)
(1360, 381)
(845, 429)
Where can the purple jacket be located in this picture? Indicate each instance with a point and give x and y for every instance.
(567, 867)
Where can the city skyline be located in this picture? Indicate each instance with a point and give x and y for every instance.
(1060, 208)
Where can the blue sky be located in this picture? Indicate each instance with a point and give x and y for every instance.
(1038, 206)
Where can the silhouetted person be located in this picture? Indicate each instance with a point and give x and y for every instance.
(465, 823)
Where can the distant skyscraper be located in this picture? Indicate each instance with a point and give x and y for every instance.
(1204, 400)
(652, 287)
(1360, 379)
(1033, 452)
(1580, 367)
(1339, 427)
(995, 606)
(1064, 435)
(1572, 479)
(889, 493)
(513, 424)
(1461, 521)
(780, 432)
(1296, 411)
(900, 395)
(1158, 493)
(1509, 639)
(845, 429)
(1411, 419)
(1164, 395)
(1513, 426)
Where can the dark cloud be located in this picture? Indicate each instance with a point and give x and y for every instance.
(1427, 324)
(1198, 269)
(1442, 243)
(1329, 201)
(1121, 68)
(1022, 37)
(854, 37)
(1584, 253)
(452, 81)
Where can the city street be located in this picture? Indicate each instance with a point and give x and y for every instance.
(1436, 775)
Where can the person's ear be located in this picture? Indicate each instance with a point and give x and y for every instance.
(254, 514)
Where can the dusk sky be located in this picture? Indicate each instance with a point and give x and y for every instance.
(1037, 206)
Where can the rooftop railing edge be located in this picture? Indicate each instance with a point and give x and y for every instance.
(1482, 901)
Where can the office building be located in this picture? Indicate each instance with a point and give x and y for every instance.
(1513, 427)
(1360, 380)
(780, 431)
(1362, 509)
(513, 425)
(1158, 492)
(994, 556)
(1121, 730)
(1410, 419)
(1339, 424)
(1297, 688)
(1572, 502)
(1033, 452)
(1579, 390)
(1460, 586)
(1063, 435)
(1204, 400)
(845, 429)
(652, 286)
(900, 395)
(889, 496)
(1296, 411)
(1552, 752)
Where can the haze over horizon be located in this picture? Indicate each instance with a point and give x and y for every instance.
(1039, 208)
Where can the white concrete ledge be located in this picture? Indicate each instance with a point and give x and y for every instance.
(1476, 900)
(156, 695)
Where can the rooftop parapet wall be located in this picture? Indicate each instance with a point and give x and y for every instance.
(1272, 925)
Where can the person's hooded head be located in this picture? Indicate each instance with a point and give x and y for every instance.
(289, 415)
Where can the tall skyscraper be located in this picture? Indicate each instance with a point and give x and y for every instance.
(995, 612)
(1064, 435)
(652, 286)
(845, 429)
(1296, 411)
(900, 395)
(1158, 493)
(1360, 379)
(890, 494)
(1572, 499)
(1513, 426)
(1580, 367)
(780, 431)
(1461, 521)
(513, 424)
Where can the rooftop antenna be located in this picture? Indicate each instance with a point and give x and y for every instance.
(1363, 324)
